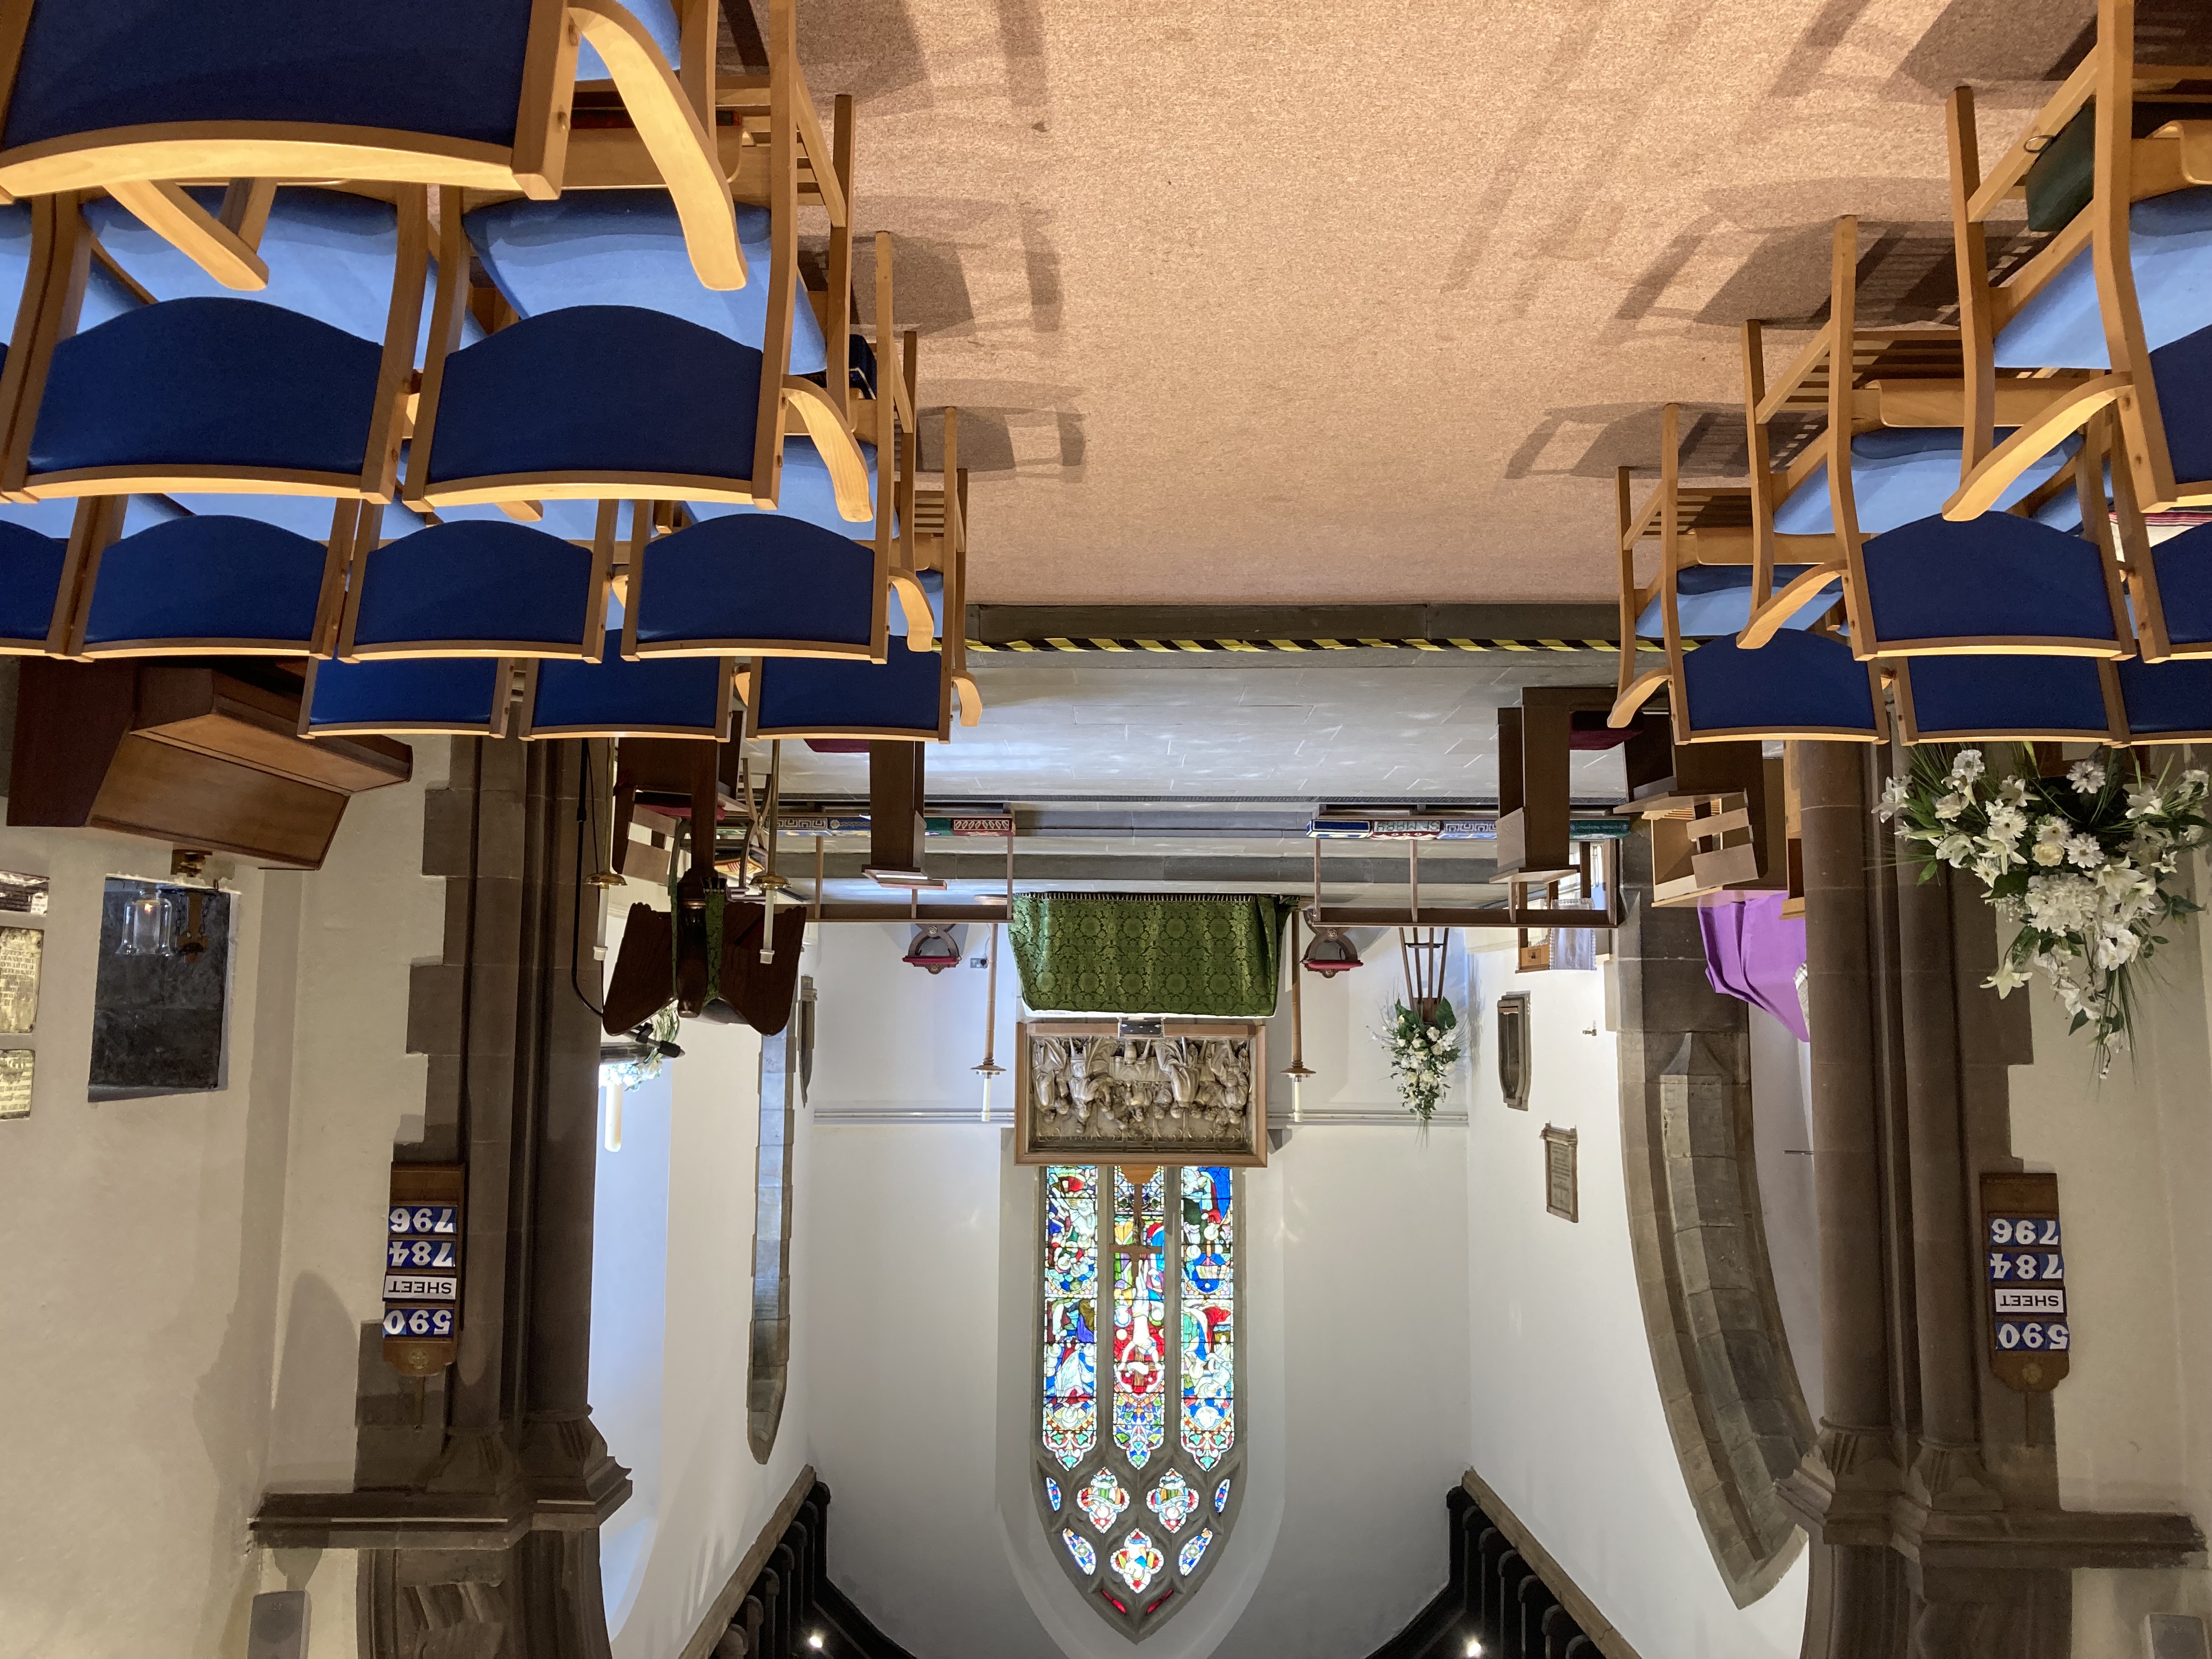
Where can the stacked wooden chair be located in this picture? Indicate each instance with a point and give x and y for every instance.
(256, 399)
(1965, 520)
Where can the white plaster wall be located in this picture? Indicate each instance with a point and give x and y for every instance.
(1568, 1428)
(188, 1270)
(2133, 1155)
(1782, 1136)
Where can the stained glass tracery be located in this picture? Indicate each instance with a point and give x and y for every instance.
(1147, 1255)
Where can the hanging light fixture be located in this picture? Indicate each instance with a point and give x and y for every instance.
(1298, 1071)
(990, 1066)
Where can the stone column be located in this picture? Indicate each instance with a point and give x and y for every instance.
(1855, 1441)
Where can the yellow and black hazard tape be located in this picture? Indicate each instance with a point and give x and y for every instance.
(1608, 646)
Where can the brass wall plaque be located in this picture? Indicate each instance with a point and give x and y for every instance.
(1513, 1044)
(21, 949)
(1196, 1091)
(24, 895)
(15, 1082)
(1562, 1179)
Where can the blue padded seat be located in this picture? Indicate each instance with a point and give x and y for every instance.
(2183, 565)
(665, 696)
(901, 697)
(1899, 474)
(208, 383)
(478, 588)
(427, 66)
(407, 695)
(2170, 248)
(602, 247)
(329, 254)
(661, 21)
(806, 493)
(1712, 599)
(1994, 577)
(2167, 702)
(1962, 699)
(756, 584)
(1796, 684)
(666, 396)
(203, 580)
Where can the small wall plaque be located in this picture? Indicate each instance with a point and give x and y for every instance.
(1562, 1183)
(422, 1268)
(15, 1082)
(2024, 1264)
(20, 951)
(24, 895)
(1513, 1050)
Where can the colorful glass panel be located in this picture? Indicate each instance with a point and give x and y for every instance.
(1103, 1500)
(1052, 1491)
(1138, 1561)
(1193, 1551)
(1079, 1547)
(1070, 1300)
(1209, 1304)
(1173, 1500)
(1140, 1317)
(1221, 1497)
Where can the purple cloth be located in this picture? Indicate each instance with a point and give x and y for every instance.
(1752, 953)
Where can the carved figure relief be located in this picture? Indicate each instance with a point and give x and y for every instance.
(1084, 1085)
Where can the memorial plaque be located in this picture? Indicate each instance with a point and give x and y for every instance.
(422, 1268)
(2024, 1265)
(1562, 1179)
(15, 1082)
(20, 951)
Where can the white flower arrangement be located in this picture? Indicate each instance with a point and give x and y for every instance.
(1422, 1055)
(2081, 863)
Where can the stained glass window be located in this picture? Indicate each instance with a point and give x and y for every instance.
(1148, 1255)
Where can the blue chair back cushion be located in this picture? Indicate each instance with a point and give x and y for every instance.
(30, 582)
(2167, 698)
(2182, 374)
(408, 694)
(599, 247)
(611, 696)
(1984, 696)
(489, 582)
(901, 696)
(2184, 584)
(1716, 598)
(424, 66)
(1795, 683)
(759, 577)
(599, 389)
(208, 383)
(1899, 474)
(1996, 576)
(207, 578)
(2170, 250)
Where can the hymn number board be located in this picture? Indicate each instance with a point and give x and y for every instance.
(422, 1268)
(2024, 1265)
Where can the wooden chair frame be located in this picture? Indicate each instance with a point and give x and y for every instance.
(369, 542)
(1693, 526)
(2128, 169)
(1910, 731)
(143, 167)
(1888, 382)
(502, 705)
(954, 672)
(725, 695)
(62, 250)
(785, 398)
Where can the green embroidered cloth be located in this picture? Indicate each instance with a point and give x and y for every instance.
(1149, 953)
